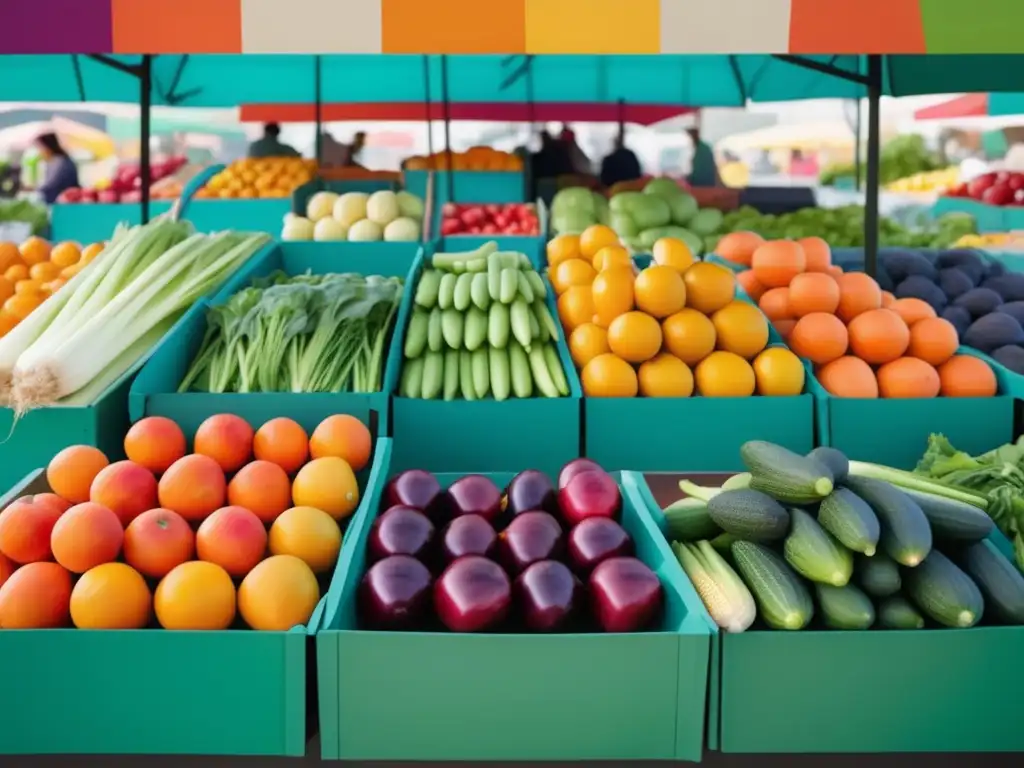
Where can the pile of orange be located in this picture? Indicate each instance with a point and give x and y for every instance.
(863, 341)
(473, 159)
(34, 271)
(246, 524)
(269, 177)
(673, 329)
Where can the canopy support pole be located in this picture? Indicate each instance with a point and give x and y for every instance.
(447, 107)
(858, 169)
(427, 106)
(318, 106)
(824, 68)
(874, 156)
(145, 131)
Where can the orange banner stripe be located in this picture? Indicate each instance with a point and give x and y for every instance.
(453, 26)
(856, 26)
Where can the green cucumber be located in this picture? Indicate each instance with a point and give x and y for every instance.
(850, 519)
(833, 460)
(814, 553)
(944, 592)
(952, 520)
(782, 597)
(896, 613)
(845, 607)
(879, 576)
(998, 579)
(749, 515)
(688, 520)
(784, 475)
(906, 533)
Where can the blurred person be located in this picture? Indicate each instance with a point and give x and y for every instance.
(577, 157)
(622, 164)
(355, 149)
(61, 172)
(552, 159)
(802, 165)
(270, 144)
(703, 169)
(332, 152)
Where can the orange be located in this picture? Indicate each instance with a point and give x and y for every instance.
(665, 376)
(309, 534)
(813, 292)
(225, 438)
(659, 291)
(158, 540)
(848, 377)
(155, 443)
(777, 262)
(740, 328)
(85, 536)
(44, 271)
(908, 377)
(612, 293)
(775, 304)
(709, 287)
(111, 596)
(739, 247)
(193, 486)
(635, 337)
(933, 340)
(912, 310)
(233, 538)
(967, 376)
(609, 376)
(70, 473)
(328, 484)
(343, 436)
(9, 255)
(28, 285)
(6, 288)
(820, 337)
(817, 254)
(283, 442)
(36, 596)
(570, 273)
(596, 237)
(7, 569)
(784, 327)
(878, 336)
(689, 335)
(65, 254)
(278, 594)
(576, 307)
(857, 293)
(16, 272)
(35, 250)
(888, 300)
(779, 373)
(748, 282)
(263, 488)
(91, 252)
(670, 252)
(586, 342)
(26, 525)
(195, 595)
(724, 374)
(22, 305)
(612, 256)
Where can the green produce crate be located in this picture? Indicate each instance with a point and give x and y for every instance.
(482, 697)
(483, 435)
(988, 218)
(927, 690)
(155, 390)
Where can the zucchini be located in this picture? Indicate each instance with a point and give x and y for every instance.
(845, 607)
(850, 519)
(906, 533)
(833, 460)
(782, 597)
(998, 579)
(784, 475)
(944, 592)
(952, 520)
(723, 542)
(814, 554)
(688, 520)
(879, 576)
(749, 515)
(896, 613)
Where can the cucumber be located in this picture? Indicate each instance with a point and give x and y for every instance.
(427, 289)
(451, 328)
(451, 374)
(474, 332)
(478, 292)
(850, 519)
(435, 338)
(749, 515)
(782, 598)
(433, 376)
(879, 576)
(784, 475)
(896, 613)
(845, 607)
(952, 520)
(461, 295)
(723, 542)
(416, 334)
(688, 520)
(466, 385)
(998, 579)
(944, 592)
(906, 533)
(835, 461)
(411, 383)
(525, 289)
(501, 380)
(446, 291)
(814, 554)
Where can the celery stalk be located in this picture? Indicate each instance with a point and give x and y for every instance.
(903, 479)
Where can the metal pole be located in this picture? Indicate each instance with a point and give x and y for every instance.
(319, 107)
(145, 131)
(447, 107)
(427, 106)
(857, 168)
(874, 140)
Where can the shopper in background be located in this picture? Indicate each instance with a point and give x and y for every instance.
(61, 173)
(270, 145)
(577, 157)
(621, 165)
(703, 169)
(355, 149)
(552, 160)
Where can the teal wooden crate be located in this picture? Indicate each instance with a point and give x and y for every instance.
(155, 390)
(467, 187)
(482, 435)
(95, 222)
(514, 696)
(988, 218)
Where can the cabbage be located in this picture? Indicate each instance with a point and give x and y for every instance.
(365, 231)
(648, 211)
(410, 206)
(321, 205)
(706, 222)
(382, 207)
(573, 199)
(297, 228)
(351, 207)
(329, 229)
(665, 188)
(402, 230)
(601, 208)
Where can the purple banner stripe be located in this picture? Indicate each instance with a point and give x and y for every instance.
(56, 26)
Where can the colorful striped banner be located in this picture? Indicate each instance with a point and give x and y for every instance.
(511, 26)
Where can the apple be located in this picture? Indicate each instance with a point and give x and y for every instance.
(625, 594)
(394, 593)
(531, 536)
(472, 594)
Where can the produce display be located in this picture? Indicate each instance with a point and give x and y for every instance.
(480, 327)
(673, 329)
(866, 342)
(246, 524)
(91, 331)
(481, 219)
(807, 541)
(358, 217)
(1001, 241)
(125, 186)
(927, 181)
(995, 188)
(529, 558)
(268, 177)
(33, 214)
(900, 157)
(307, 333)
(473, 159)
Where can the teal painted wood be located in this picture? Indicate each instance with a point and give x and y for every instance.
(504, 696)
(988, 218)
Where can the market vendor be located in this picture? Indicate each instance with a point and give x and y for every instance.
(270, 145)
(61, 172)
(621, 165)
(703, 169)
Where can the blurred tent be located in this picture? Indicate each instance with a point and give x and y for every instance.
(75, 137)
(806, 137)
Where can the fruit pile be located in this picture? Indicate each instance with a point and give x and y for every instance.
(125, 186)
(357, 216)
(266, 177)
(34, 271)
(480, 328)
(473, 159)
(995, 188)
(479, 219)
(167, 534)
(530, 576)
(927, 181)
(863, 341)
(671, 330)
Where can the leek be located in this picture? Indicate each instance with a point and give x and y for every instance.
(726, 597)
(903, 479)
